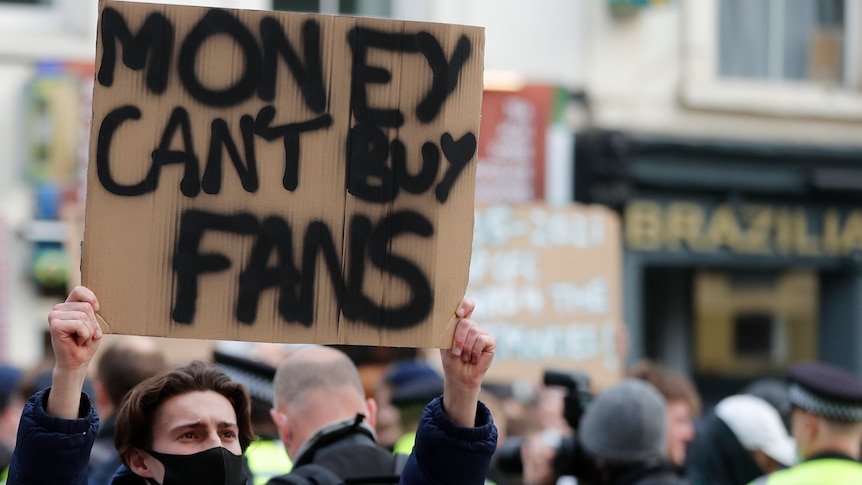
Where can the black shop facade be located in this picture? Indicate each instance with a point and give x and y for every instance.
(740, 258)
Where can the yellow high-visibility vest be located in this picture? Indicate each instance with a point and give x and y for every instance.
(267, 459)
(822, 471)
(404, 444)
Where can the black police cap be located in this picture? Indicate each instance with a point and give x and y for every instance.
(826, 391)
(255, 375)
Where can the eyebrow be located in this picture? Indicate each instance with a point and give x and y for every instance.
(199, 425)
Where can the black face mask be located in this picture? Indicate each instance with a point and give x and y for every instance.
(215, 466)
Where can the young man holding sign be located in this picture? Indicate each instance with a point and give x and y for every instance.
(191, 425)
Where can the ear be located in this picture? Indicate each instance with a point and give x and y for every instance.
(814, 424)
(281, 424)
(143, 464)
(372, 412)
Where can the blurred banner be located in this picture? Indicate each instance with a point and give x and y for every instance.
(512, 144)
(546, 281)
(57, 108)
(57, 115)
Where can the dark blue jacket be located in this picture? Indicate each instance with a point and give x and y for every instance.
(104, 460)
(51, 449)
(446, 453)
(54, 450)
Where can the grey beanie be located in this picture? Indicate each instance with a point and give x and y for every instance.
(625, 423)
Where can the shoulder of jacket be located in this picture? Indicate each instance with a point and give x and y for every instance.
(309, 474)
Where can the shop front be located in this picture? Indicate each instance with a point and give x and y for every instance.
(739, 258)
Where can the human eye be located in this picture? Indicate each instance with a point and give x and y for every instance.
(229, 434)
(188, 435)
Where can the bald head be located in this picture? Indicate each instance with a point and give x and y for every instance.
(312, 371)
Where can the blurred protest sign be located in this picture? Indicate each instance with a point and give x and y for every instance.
(546, 281)
(270, 176)
(511, 165)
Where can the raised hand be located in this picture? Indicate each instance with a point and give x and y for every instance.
(465, 365)
(75, 337)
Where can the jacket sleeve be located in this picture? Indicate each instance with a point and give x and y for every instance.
(50, 449)
(447, 453)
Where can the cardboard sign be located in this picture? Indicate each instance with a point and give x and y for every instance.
(546, 282)
(269, 176)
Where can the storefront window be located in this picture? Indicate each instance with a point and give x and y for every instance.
(754, 335)
(800, 40)
(779, 57)
(750, 323)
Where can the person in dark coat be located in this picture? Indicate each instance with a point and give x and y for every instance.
(187, 426)
(740, 440)
(623, 432)
(717, 457)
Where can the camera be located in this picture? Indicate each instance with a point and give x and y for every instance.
(569, 458)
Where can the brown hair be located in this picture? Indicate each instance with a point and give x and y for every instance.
(134, 425)
(672, 385)
(127, 363)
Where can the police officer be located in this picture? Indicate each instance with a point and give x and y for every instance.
(826, 424)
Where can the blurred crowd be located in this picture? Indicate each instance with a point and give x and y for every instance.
(653, 428)
(650, 428)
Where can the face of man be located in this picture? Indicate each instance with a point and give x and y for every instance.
(190, 423)
(193, 422)
(680, 430)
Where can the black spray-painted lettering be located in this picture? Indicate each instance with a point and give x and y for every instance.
(374, 243)
(109, 125)
(275, 235)
(445, 74)
(163, 155)
(297, 286)
(419, 307)
(154, 42)
(219, 142)
(289, 134)
(370, 175)
(370, 178)
(419, 183)
(309, 77)
(247, 172)
(361, 41)
(151, 48)
(189, 263)
(459, 153)
(220, 22)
